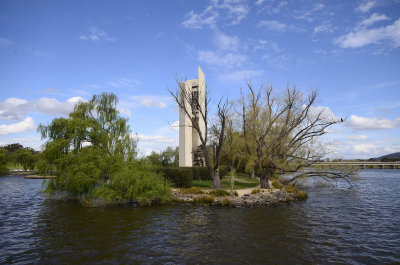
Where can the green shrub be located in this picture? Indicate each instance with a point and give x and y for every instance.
(201, 173)
(192, 190)
(223, 171)
(255, 191)
(226, 202)
(276, 185)
(3, 161)
(203, 199)
(290, 188)
(235, 193)
(301, 195)
(217, 193)
(139, 183)
(180, 177)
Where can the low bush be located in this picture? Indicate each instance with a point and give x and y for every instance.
(301, 195)
(255, 191)
(276, 185)
(223, 171)
(203, 199)
(192, 190)
(217, 193)
(226, 202)
(138, 184)
(290, 188)
(180, 177)
(200, 173)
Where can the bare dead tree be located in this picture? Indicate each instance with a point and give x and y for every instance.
(281, 133)
(197, 115)
(217, 137)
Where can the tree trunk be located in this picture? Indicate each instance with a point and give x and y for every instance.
(216, 179)
(265, 174)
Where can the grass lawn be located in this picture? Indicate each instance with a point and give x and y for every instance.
(242, 181)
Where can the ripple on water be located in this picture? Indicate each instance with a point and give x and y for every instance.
(335, 225)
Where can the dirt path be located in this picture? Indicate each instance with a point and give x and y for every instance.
(241, 192)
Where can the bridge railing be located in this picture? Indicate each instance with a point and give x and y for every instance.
(361, 164)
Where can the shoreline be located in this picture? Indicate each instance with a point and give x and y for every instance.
(27, 175)
(243, 197)
(264, 198)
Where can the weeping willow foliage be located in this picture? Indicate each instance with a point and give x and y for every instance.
(93, 153)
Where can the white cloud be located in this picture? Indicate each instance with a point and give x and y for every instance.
(150, 101)
(225, 42)
(373, 19)
(326, 113)
(125, 111)
(324, 27)
(96, 34)
(359, 137)
(237, 11)
(175, 126)
(228, 60)
(75, 100)
(277, 8)
(362, 123)
(241, 74)
(307, 14)
(124, 83)
(365, 148)
(281, 60)
(234, 11)
(267, 44)
(157, 143)
(16, 108)
(259, 2)
(272, 25)
(23, 126)
(362, 36)
(52, 106)
(197, 21)
(156, 138)
(365, 6)
(5, 42)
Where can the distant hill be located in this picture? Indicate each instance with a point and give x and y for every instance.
(389, 157)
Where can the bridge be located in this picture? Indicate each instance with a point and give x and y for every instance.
(361, 164)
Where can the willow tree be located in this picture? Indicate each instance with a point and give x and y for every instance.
(281, 132)
(94, 123)
(93, 150)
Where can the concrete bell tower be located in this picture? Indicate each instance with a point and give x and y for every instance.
(189, 139)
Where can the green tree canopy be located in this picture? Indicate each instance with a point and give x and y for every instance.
(24, 157)
(3, 161)
(93, 152)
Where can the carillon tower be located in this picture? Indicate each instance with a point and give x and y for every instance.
(189, 140)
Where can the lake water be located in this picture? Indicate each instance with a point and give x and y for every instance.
(335, 225)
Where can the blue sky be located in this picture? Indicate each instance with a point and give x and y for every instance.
(55, 53)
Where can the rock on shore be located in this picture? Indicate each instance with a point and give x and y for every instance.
(266, 197)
